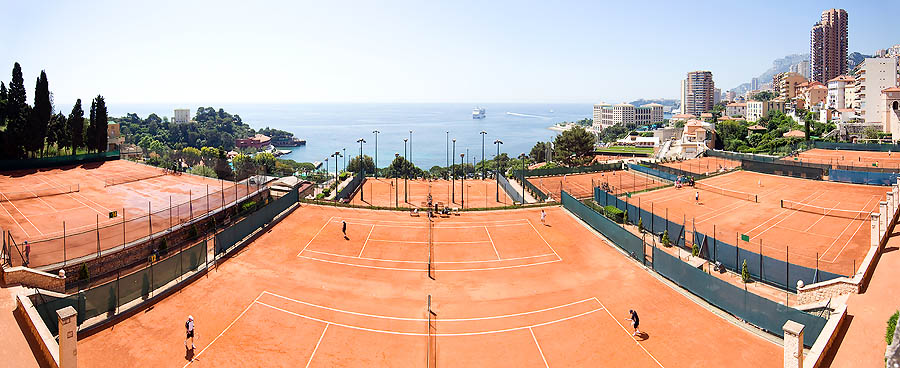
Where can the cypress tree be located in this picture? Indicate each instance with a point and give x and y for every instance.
(76, 126)
(3, 96)
(16, 112)
(40, 115)
(91, 141)
(102, 117)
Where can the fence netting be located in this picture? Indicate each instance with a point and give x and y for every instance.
(629, 242)
(784, 169)
(229, 237)
(556, 171)
(871, 147)
(512, 192)
(652, 172)
(754, 309)
(863, 177)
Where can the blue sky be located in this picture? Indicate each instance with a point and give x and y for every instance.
(409, 51)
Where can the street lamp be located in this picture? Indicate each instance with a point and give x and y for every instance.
(336, 155)
(462, 183)
(453, 174)
(483, 133)
(360, 141)
(448, 150)
(410, 145)
(405, 175)
(522, 156)
(396, 185)
(497, 167)
(376, 152)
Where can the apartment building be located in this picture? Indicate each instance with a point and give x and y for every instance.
(828, 46)
(736, 109)
(182, 116)
(786, 84)
(837, 92)
(758, 109)
(607, 115)
(697, 92)
(873, 75)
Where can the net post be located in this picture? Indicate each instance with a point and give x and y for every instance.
(760, 260)
(191, 204)
(98, 235)
(787, 270)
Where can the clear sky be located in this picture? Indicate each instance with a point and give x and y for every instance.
(409, 51)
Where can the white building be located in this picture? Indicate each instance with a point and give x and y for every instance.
(606, 115)
(182, 116)
(801, 68)
(736, 109)
(873, 75)
(837, 92)
(758, 109)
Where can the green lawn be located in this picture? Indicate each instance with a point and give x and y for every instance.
(626, 149)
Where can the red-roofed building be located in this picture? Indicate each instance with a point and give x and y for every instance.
(890, 99)
(683, 117)
(795, 134)
(257, 141)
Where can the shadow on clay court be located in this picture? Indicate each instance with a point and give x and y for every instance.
(889, 249)
(838, 340)
(643, 336)
(188, 353)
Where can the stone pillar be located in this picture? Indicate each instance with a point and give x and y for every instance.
(889, 198)
(882, 225)
(876, 238)
(793, 344)
(68, 337)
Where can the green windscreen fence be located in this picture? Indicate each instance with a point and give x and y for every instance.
(871, 147)
(629, 242)
(347, 191)
(232, 235)
(107, 297)
(569, 170)
(37, 163)
(751, 308)
(510, 191)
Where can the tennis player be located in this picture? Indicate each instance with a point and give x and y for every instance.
(344, 228)
(189, 326)
(697, 197)
(635, 321)
(543, 218)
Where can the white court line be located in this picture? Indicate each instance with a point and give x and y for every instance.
(418, 223)
(367, 241)
(626, 331)
(426, 319)
(545, 240)
(420, 270)
(861, 223)
(539, 347)
(317, 345)
(13, 219)
(40, 199)
(23, 215)
(425, 334)
(425, 242)
(436, 262)
(780, 214)
(315, 236)
(492, 243)
(48, 180)
(223, 331)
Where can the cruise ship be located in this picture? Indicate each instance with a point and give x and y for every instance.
(478, 113)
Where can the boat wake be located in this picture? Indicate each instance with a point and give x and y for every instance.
(526, 115)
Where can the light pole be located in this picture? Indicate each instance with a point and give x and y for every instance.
(405, 175)
(483, 133)
(410, 145)
(345, 159)
(497, 167)
(360, 161)
(462, 183)
(522, 156)
(376, 153)
(453, 174)
(448, 150)
(327, 174)
(396, 185)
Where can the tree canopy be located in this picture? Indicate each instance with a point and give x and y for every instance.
(574, 146)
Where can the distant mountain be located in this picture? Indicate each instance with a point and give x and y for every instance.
(854, 59)
(661, 101)
(778, 66)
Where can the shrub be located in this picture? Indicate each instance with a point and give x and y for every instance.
(695, 250)
(745, 272)
(163, 245)
(625, 217)
(344, 175)
(640, 224)
(665, 238)
(614, 213)
(891, 325)
(326, 192)
(192, 232)
(248, 206)
(320, 196)
(84, 274)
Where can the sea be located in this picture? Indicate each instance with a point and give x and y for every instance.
(429, 128)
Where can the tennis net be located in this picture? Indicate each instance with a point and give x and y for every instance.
(40, 192)
(132, 178)
(430, 247)
(824, 211)
(727, 192)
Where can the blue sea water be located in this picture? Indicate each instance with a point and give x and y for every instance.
(335, 127)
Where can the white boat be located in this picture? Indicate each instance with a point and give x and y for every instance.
(478, 113)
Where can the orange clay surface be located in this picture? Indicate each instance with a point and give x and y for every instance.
(40, 220)
(704, 165)
(387, 192)
(849, 158)
(580, 185)
(836, 241)
(508, 292)
(606, 158)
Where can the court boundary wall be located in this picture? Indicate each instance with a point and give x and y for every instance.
(45, 162)
(513, 193)
(652, 172)
(871, 147)
(350, 189)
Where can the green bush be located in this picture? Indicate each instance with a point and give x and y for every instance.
(248, 206)
(614, 214)
(84, 274)
(192, 232)
(320, 196)
(695, 250)
(625, 217)
(745, 273)
(640, 224)
(891, 325)
(163, 245)
(344, 175)
(665, 238)
(326, 192)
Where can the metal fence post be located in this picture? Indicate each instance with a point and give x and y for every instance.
(98, 235)
(170, 213)
(64, 244)
(124, 239)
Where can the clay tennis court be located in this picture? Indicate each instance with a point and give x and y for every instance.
(35, 205)
(704, 165)
(383, 192)
(278, 303)
(849, 158)
(832, 242)
(581, 185)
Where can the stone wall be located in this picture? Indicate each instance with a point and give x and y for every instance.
(37, 331)
(827, 290)
(32, 278)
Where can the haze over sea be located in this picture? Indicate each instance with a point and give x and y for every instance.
(332, 127)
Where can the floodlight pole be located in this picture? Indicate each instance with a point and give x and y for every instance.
(497, 164)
